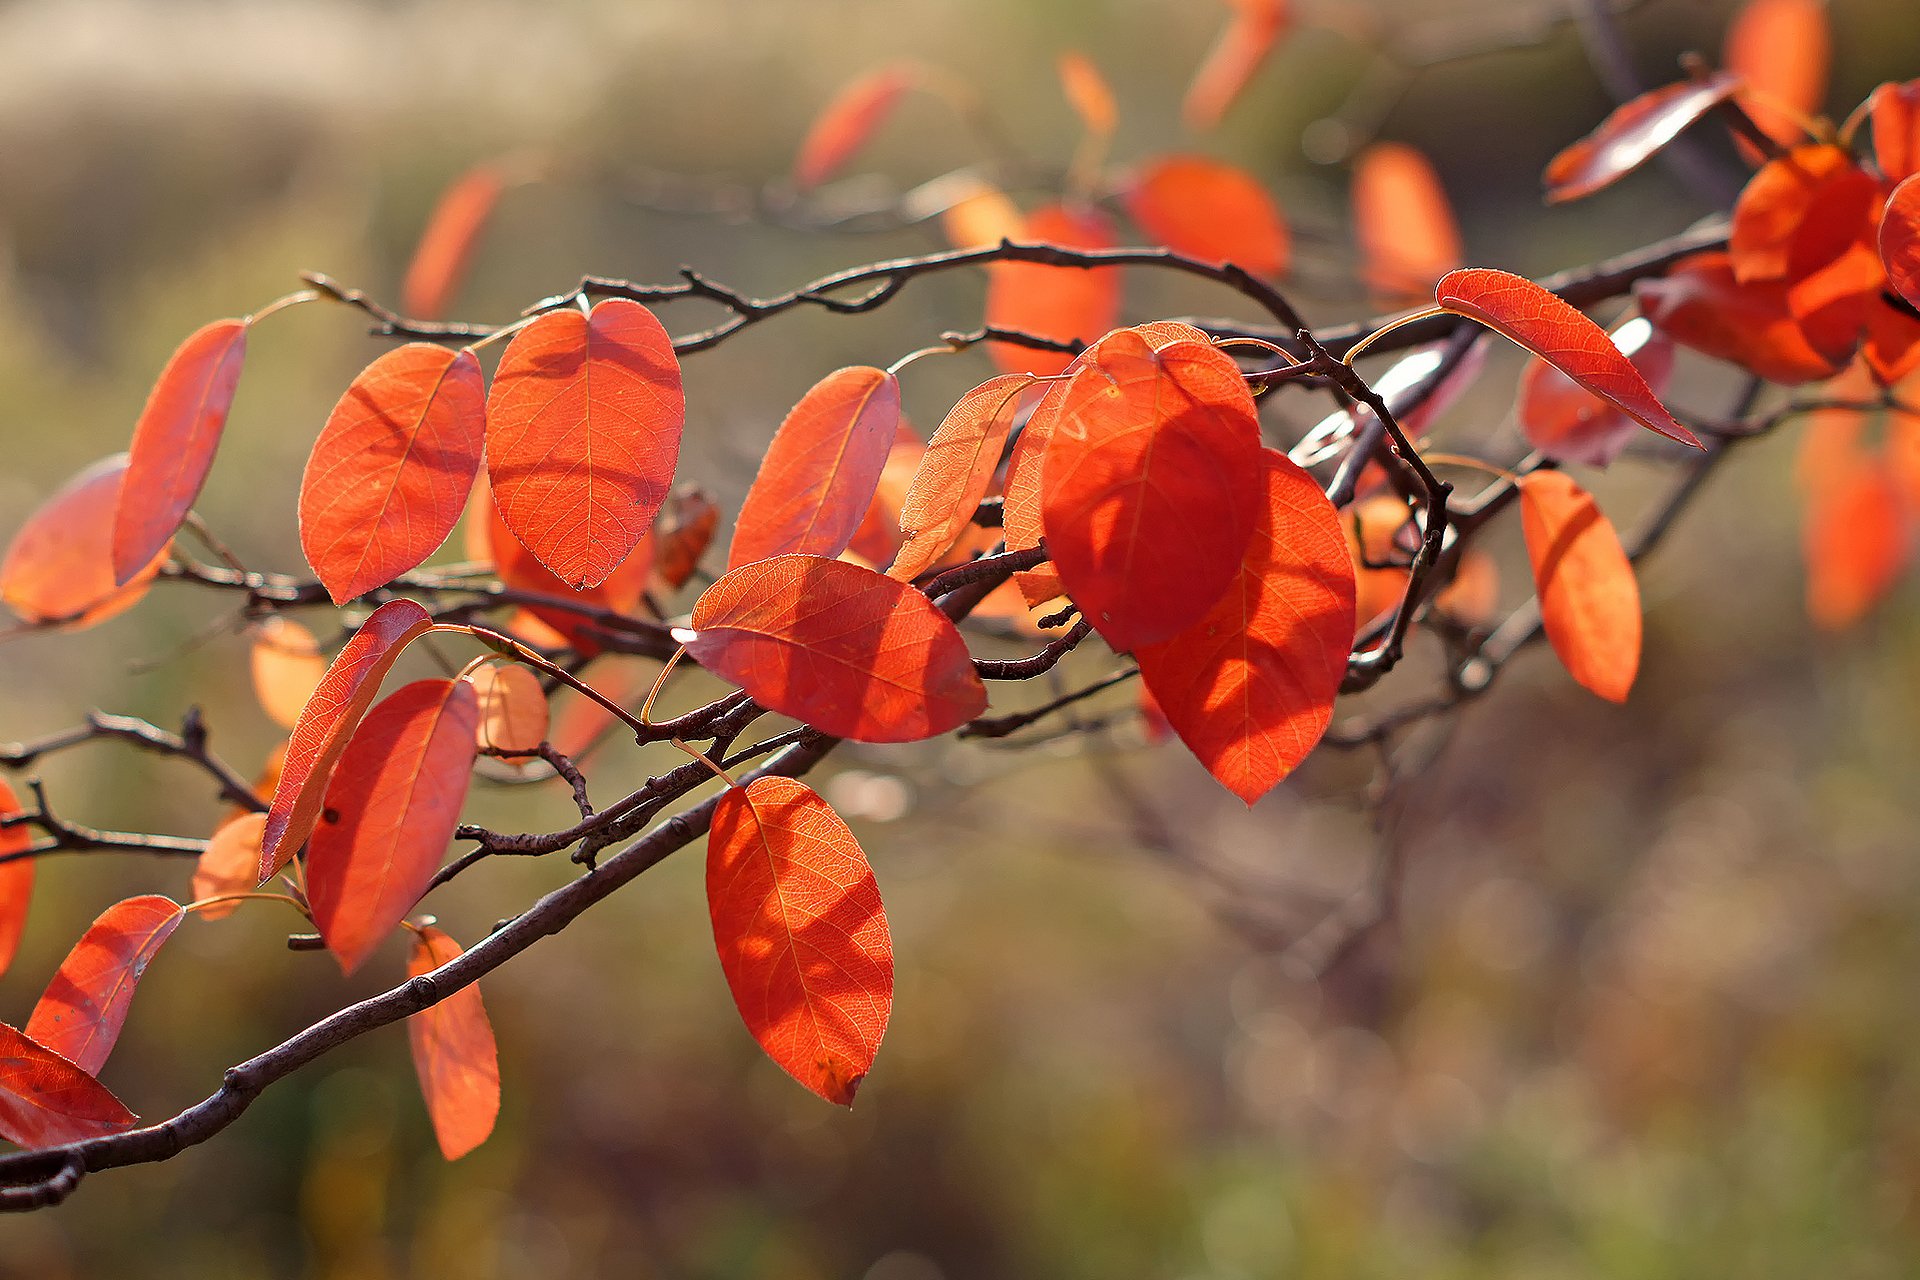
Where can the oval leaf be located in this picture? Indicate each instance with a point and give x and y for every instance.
(1250, 687)
(1633, 134)
(46, 1101)
(513, 709)
(1064, 303)
(1210, 210)
(624, 590)
(1403, 220)
(391, 471)
(446, 245)
(1589, 597)
(583, 433)
(850, 651)
(453, 1053)
(1782, 48)
(230, 865)
(174, 443)
(1570, 424)
(1896, 129)
(58, 571)
(1900, 240)
(1088, 93)
(81, 1013)
(821, 469)
(1543, 323)
(801, 933)
(327, 722)
(847, 121)
(1858, 539)
(287, 667)
(16, 878)
(391, 809)
(1700, 305)
(955, 472)
(681, 534)
(1243, 46)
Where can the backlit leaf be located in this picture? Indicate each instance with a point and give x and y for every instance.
(852, 652)
(1633, 134)
(1858, 539)
(878, 539)
(231, 864)
(1900, 240)
(446, 245)
(1700, 305)
(1250, 687)
(1403, 221)
(1569, 423)
(1380, 539)
(801, 933)
(982, 216)
(326, 723)
(1065, 303)
(847, 121)
(174, 443)
(391, 471)
(623, 591)
(453, 1053)
(81, 1013)
(1589, 597)
(1151, 486)
(1243, 45)
(583, 433)
(392, 805)
(1896, 129)
(956, 472)
(1087, 91)
(820, 471)
(1210, 210)
(287, 667)
(513, 714)
(46, 1101)
(681, 534)
(16, 878)
(1776, 203)
(1544, 324)
(1782, 48)
(59, 567)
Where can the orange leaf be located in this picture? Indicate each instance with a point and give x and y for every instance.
(392, 469)
(1900, 240)
(230, 865)
(46, 1101)
(1700, 305)
(801, 933)
(1858, 539)
(287, 667)
(583, 432)
(1378, 530)
(1776, 203)
(847, 121)
(1570, 424)
(1087, 91)
(16, 878)
(1782, 49)
(1632, 135)
(81, 1013)
(1896, 129)
(681, 534)
(58, 570)
(955, 472)
(327, 722)
(1151, 486)
(1066, 303)
(446, 245)
(878, 539)
(1250, 687)
(174, 443)
(1589, 597)
(513, 716)
(1403, 220)
(850, 651)
(1243, 45)
(453, 1053)
(982, 216)
(391, 809)
(624, 590)
(1544, 324)
(1210, 210)
(821, 469)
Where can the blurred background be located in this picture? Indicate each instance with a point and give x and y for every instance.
(1646, 1009)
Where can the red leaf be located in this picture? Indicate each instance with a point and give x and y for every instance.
(1858, 539)
(1151, 487)
(59, 566)
(174, 443)
(1782, 48)
(1242, 47)
(1589, 597)
(16, 878)
(1700, 305)
(850, 651)
(1066, 303)
(1087, 91)
(681, 534)
(392, 469)
(81, 1013)
(801, 933)
(955, 472)
(583, 432)
(1403, 221)
(392, 806)
(821, 469)
(1544, 324)
(1896, 129)
(447, 243)
(287, 667)
(624, 591)
(1632, 135)
(46, 1101)
(231, 864)
(327, 722)
(1250, 687)
(1570, 424)
(1210, 210)
(1777, 202)
(453, 1053)
(847, 121)
(878, 539)
(1900, 240)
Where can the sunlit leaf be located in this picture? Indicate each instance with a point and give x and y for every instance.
(681, 534)
(447, 243)
(230, 865)
(1632, 135)
(801, 933)
(1700, 305)
(1064, 303)
(46, 1101)
(983, 215)
(1900, 240)
(1210, 210)
(513, 716)
(58, 569)
(847, 121)
(623, 591)
(1896, 129)
(1782, 48)
(1776, 203)
(16, 877)
(1243, 45)
(1569, 423)
(1858, 540)
(453, 1053)
(956, 472)
(83, 1008)
(1380, 540)
(1589, 597)
(1087, 91)
(287, 667)
(1403, 221)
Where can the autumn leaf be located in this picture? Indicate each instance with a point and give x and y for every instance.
(16, 877)
(513, 716)
(1776, 203)
(847, 121)
(326, 723)
(1063, 303)
(1380, 540)
(1250, 687)
(1403, 221)
(681, 534)
(1900, 240)
(801, 933)
(453, 1052)
(1589, 597)
(446, 244)
(1151, 486)
(1243, 45)
(230, 865)
(174, 443)
(583, 433)
(390, 473)
(1858, 539)
(1569, 423)
(58, 570)
(852, 652)
(1087, 92)
(981, 215)
(623, 591)
(879, 538)
(955, 472)
(1633, 134)
(392, 805)
(1210, 210)
(1895, 113)
(1782, 49)
(287, 667)
(820, 472)
(46, 1101)
(1544, 324)
(82, 1010)
(1700, 305)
